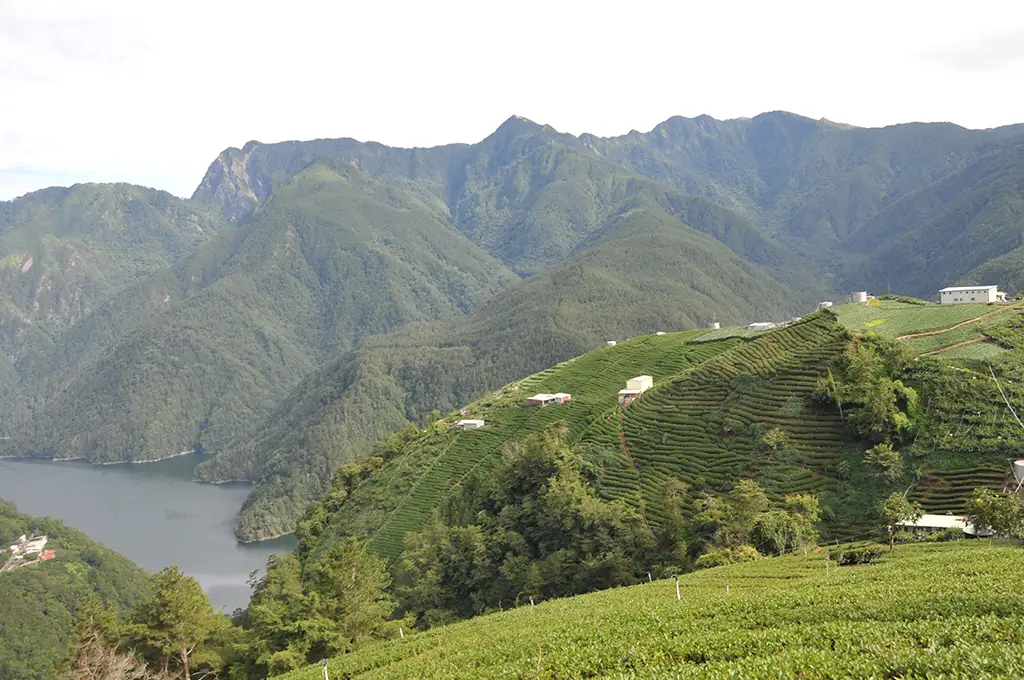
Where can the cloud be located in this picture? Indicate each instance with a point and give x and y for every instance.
(993, 52)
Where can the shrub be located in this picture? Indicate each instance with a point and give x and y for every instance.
(719, 558)
(858, 555)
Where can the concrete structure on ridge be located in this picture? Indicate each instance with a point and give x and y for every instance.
(860, 296)
(761, 326)
(958, 295)
(543, 399)
(610, 343)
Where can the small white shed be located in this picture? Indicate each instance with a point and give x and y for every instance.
(610, 343)
(469, 424)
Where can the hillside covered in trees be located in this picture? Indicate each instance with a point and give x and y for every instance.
(312, 297)
(39, 603)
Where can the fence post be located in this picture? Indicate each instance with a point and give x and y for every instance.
(678, 595)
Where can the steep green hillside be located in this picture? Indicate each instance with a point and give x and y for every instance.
(64, 252)
(331, 258)
(734, 408)
(38, 602)
(934, 610)
(701, 424)
(648, 272)
(941, 234)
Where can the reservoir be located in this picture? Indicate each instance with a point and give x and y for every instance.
(151, 513)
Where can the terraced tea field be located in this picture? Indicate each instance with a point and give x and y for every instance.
(402, 499)
(704, 426)
(949, 610)
(703, 423)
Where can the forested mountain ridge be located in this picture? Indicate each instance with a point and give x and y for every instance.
(330, 258)
(809, 184)
(65, 252)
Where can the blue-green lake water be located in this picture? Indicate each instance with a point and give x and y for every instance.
(151, 513)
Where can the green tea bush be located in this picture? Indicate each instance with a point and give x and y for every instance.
(857, 555)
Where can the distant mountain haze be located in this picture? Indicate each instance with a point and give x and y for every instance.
(313, 296)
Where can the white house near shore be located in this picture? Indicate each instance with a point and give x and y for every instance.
(963, 294)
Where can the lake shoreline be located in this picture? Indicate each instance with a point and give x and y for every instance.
(111, 462)
(155, 515)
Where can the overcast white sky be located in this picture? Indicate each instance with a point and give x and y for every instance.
(150, 92)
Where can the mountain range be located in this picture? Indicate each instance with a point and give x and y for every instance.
(311, 297)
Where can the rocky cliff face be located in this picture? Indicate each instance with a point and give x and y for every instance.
(227, 184)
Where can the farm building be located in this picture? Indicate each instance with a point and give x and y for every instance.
(860, 296)
(634, 388)
(931, 523)
(761, 326)
(960, 294)
(824, 305)
(543, 399)
(469, 424)
(714, 325)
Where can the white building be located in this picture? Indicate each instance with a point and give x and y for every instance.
(634, 388)
(469, 424)
(761, 326)
(860, 296)
(543, 399)
(931, 523)
(610, 343)
(961, 294)
(714, 325)
(824, 305)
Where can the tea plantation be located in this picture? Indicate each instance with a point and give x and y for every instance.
(704, 422)
(952, 610)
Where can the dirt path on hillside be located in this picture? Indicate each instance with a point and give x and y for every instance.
(954, 346)
(925, 334)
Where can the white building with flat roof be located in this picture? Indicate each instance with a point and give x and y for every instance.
(956, 295)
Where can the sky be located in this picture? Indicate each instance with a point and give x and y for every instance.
(150, 92)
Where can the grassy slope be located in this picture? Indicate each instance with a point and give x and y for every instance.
(38, 602)
(928, 610)
(926, 329)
